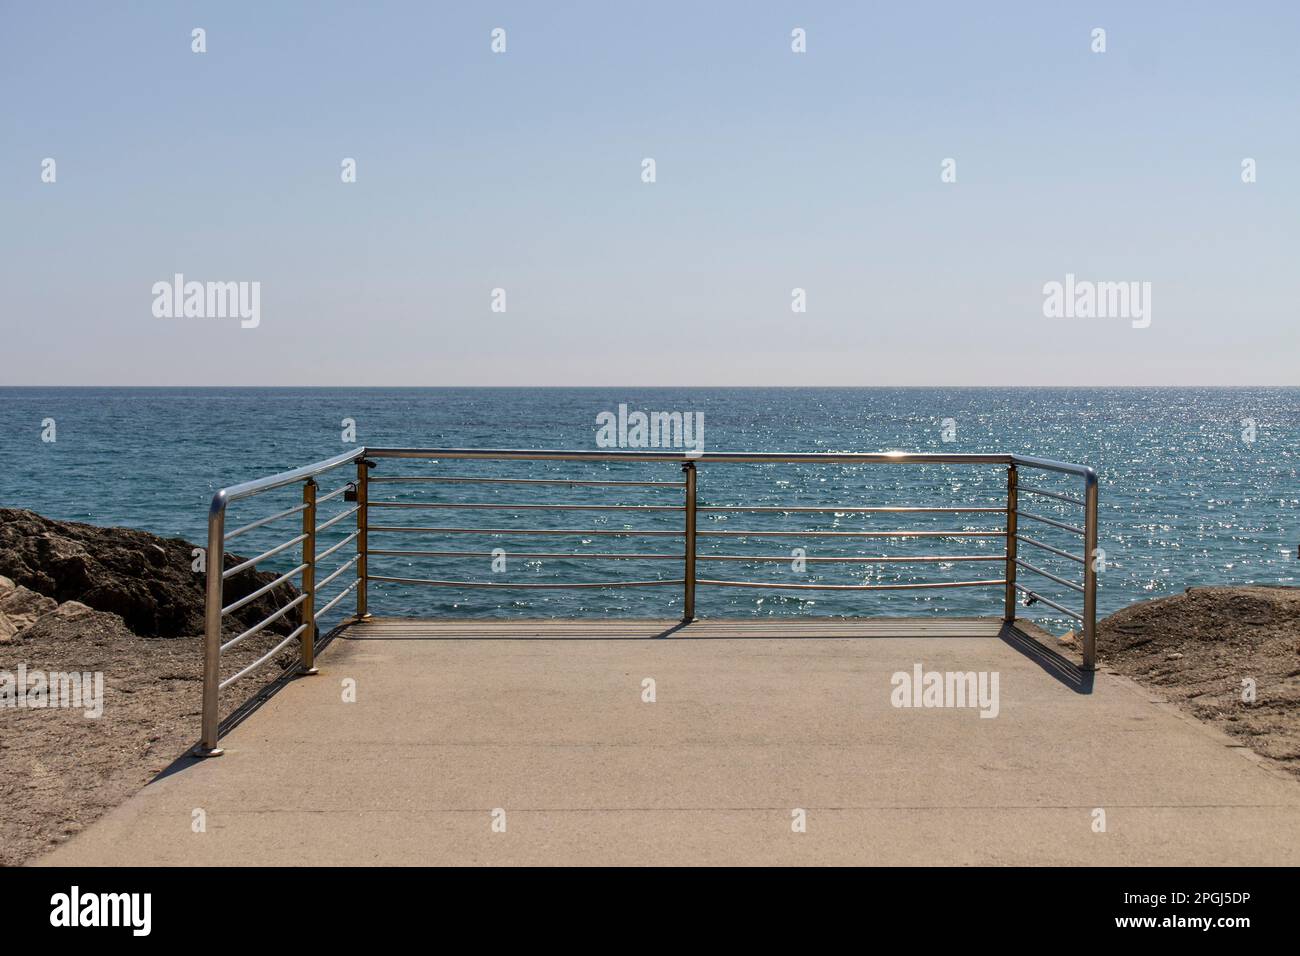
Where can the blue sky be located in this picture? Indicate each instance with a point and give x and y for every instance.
(775, 170)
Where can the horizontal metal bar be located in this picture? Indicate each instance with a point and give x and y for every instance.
(507, 506)
(834, 510)
(509, 531)
(256, 628)
(1051, 494)
(1052, 521)
(456, 479)
(1048, 464)
(334, 547)
(1047, 547)
(338, 597)
(551, 454)
(483, 584)
(1049, 602)
(249, 598)
(519, 554)
(245, 565)
(258, 485)
(678, 557)
(337, 518)
(337, 571)
(333, 494)
(849, 587)
(263, 659)
(1047, 574)
(852, 534)
(853, 560)
(257, 524)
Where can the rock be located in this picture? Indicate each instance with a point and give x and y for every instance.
(72, 610)
(78, 625)
(146, 580)
(20, 607)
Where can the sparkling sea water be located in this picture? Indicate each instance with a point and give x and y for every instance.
(1197, 486)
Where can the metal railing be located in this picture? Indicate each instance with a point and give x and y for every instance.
(216, 611)
(310, 610)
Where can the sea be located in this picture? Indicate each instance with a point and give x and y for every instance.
(1197, 486)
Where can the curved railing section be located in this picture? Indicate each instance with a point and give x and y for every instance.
(216, 611)
(373, 518)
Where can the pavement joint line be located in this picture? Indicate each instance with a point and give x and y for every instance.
(782, 809)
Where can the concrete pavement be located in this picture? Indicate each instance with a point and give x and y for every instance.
(751, 721)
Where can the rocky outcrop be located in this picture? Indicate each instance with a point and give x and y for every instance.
(146, 580)
(80, 599)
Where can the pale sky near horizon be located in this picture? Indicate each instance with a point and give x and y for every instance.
(775, 170)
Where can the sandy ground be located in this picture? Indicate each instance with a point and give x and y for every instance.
(59, 770)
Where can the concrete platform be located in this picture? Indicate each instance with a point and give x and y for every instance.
(752, 719)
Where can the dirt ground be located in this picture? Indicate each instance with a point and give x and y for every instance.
(59, 770)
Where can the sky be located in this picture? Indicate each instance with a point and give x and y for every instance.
(774, 170)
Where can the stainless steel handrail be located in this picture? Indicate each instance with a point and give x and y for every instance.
(1050, 603)
(580, 532)
(512, 506)
(529, 585)
(337, 518)
(251, 562)
(1090, 558)
(264, 589)
(337, 571)
(852, 534)
(266, 621)
(571, 483)
(1054, 523)
(784, 586)
(332, 495)
(888, 509)
(732, 457)
(1053, 494)
(599, 555)
(338, 597)
(216, 575)
(296, 509)
(357, 491)
(1048, 574)
(1047, 547)
(341, 544)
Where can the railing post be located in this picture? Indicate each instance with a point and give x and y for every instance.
(308, 607)
(363, 495)
(1090, 572)
(1013, 502)
(215, 559)
(688, 575)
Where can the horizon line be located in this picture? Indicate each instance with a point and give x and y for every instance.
(642, 386)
